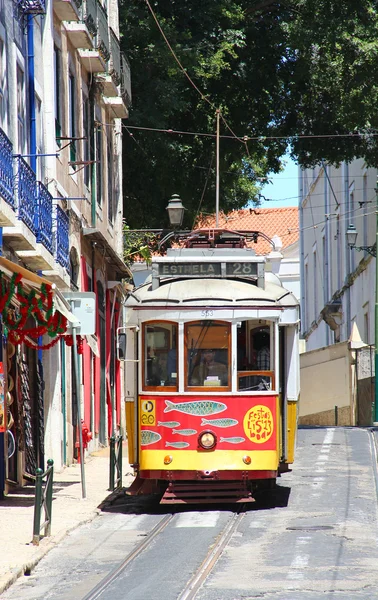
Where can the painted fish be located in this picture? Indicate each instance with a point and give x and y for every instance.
(149, 437)
(219, 422)
(233, 440)
(198, 407)
(177, 444)
(168, 424)
(184, 431)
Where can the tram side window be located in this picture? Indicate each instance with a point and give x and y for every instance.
(207, 354)
(254, 362)
(160, 354)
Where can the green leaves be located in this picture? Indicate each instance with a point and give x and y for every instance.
(301, 72)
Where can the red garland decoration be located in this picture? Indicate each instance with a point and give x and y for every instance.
(39, 307)
(79, 340)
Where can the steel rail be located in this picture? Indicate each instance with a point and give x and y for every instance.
(196, 581)
(112, 576)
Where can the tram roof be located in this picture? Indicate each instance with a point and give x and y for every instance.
(214, 292)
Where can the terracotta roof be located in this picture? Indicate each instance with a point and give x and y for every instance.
(282, 222)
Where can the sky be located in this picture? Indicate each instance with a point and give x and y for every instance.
(283, 191)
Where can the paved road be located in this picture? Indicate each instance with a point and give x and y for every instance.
(316, 540)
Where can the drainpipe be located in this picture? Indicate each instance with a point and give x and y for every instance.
(94, 166)
(32, 125)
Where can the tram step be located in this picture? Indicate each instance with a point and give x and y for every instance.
(206, 493)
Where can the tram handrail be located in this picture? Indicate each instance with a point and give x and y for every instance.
(254, 373)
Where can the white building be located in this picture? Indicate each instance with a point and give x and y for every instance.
(338, 282)
(64, 88)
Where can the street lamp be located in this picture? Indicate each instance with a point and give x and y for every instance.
(351, 236)
(175, 210)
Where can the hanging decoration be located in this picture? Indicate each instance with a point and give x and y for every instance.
(35, 304)
(79, 340)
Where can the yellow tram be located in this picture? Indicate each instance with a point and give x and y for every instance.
(212, 373)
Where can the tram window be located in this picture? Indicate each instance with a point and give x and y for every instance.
(254, 359)
(160, 354)
(208, 354)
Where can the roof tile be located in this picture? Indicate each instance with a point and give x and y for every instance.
(282, 222)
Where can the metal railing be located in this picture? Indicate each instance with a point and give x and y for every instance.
(43, 499)
(26, 194)
(90, 17)
(126, 80)
(115, 58)
(44, 225)
(62, 237)
(115, 481)
(6, 170)
(102, 32)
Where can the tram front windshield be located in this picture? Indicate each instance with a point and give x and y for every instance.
(208, 354)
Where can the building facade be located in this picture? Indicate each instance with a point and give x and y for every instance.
(338, 282)
(64, 90)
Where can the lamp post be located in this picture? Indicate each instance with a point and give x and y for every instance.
(351, 235)
(175, 211)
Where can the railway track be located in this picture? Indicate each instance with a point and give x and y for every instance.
(196, 580)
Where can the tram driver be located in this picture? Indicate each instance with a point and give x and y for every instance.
(209, 371)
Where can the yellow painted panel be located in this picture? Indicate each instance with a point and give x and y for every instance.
(292, 418)
(223, 460)
(130, 430)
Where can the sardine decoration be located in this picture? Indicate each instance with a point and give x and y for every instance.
(197, 407)
(233, 440)
(169, 424)
(184, 431)
(177, 444)
(148, 437)
(219, 422)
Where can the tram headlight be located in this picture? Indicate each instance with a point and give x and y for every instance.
(207, 440)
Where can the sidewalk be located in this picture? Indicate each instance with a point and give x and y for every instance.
(69, 511)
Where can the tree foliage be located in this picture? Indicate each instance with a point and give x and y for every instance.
(281, 72)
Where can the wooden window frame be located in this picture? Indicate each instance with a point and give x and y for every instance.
(158, 388)
(202, 388)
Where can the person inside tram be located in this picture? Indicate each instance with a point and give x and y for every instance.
(209, 370)
(263, 352)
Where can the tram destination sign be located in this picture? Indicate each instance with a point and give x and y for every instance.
(207, 269)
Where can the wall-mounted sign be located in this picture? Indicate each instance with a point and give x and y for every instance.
(240, 269)
(190, 269)
(230, 269)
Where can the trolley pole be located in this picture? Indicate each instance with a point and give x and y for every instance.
(217, 174)
(376, 316)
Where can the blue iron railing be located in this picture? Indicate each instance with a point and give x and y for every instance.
(44, 217)
(26, 194)
(62, 241)
(6, 170)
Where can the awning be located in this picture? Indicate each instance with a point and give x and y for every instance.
(93, 344)
(35, 281)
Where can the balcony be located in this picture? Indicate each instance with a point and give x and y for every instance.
(102, 42)
(111, 80)
(68, 10)
(125, 80)
(118, 105)
(45, 222)
(41, 257)
(91, 60)
(25, 184)
(82, 32)
(62, 238)
(7, 198)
